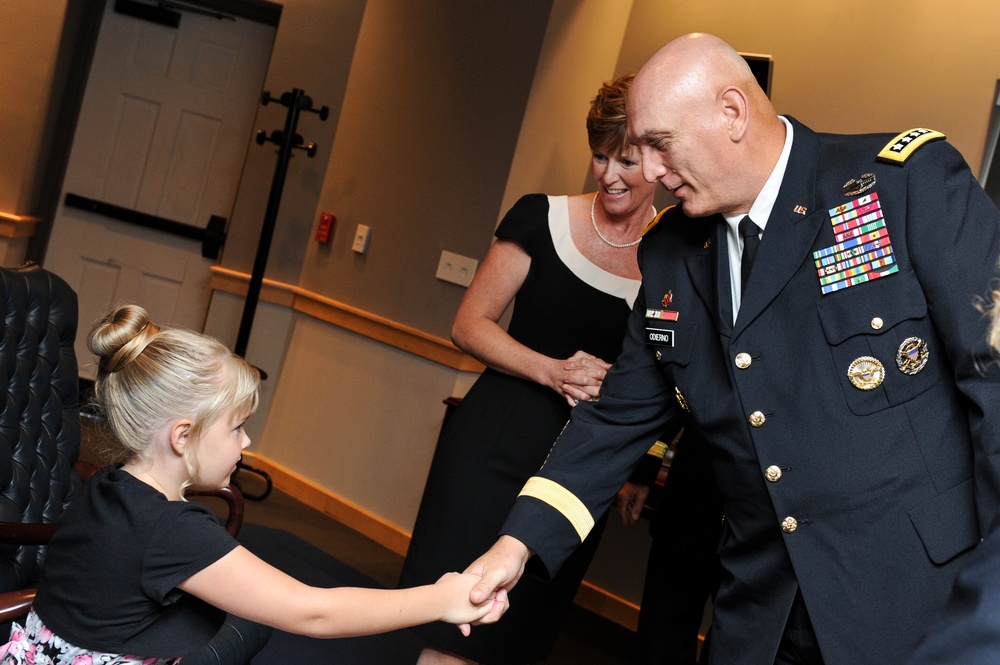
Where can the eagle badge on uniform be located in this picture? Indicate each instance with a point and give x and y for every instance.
(866, 373)
(912, 355)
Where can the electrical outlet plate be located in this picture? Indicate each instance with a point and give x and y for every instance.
(456, 268)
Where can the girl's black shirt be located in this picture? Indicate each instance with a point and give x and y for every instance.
(111, 570)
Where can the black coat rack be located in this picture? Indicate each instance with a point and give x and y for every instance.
(296, 101)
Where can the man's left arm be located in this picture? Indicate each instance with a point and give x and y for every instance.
(953, 239)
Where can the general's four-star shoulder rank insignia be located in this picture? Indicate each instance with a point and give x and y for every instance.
(899, 149)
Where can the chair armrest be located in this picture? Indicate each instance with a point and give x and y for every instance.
(14, 605)
(234, 498)
(16, 533)
(230, 494)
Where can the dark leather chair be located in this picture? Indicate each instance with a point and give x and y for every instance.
(39, 416)
(40, 428)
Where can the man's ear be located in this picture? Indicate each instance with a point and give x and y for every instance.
(736, 112)
(180, 434)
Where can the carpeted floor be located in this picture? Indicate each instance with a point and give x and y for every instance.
(315, 567)
(585, 638)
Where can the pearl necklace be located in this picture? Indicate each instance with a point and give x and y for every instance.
(617, 245)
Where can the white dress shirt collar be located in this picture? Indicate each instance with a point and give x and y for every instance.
(759, 213)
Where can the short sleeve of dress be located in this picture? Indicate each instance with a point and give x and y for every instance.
(186, 539)
(526, 223)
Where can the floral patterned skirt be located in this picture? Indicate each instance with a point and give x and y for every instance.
(34, 644)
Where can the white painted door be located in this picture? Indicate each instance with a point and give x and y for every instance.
(164, 129)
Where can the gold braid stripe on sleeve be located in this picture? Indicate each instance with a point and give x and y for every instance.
(562, 500)
(658, 449)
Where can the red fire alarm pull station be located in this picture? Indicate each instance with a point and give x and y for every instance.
(325, 229)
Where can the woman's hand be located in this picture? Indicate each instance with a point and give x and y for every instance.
(579, 377)
(630, 500)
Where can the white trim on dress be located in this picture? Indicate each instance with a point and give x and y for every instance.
(586, 270)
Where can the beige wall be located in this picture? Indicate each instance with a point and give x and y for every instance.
(430, 118)
(313, 51)
(30, 33)
(579, 53)
(372, 416)
(854, 66)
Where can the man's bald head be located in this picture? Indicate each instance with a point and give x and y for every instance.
(706, 130)
(697, 64)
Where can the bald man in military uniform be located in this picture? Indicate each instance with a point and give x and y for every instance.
(830, 355)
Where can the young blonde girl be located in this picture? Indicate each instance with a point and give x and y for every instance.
(135, 574)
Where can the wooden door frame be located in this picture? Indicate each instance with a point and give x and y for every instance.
(261, 11)
(75, 56)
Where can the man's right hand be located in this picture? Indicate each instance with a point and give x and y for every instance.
(500, 569)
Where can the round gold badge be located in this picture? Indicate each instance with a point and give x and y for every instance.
(912, 355)
(866, 373)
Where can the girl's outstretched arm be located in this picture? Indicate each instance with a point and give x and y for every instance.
(242, 584)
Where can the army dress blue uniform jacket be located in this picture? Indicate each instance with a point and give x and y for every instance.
(968, 632)
(864, 498)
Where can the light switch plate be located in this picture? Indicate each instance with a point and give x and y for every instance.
(362, 236)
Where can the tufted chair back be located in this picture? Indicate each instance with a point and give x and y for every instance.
(39, 410)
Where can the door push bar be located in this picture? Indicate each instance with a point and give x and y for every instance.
(212, 237)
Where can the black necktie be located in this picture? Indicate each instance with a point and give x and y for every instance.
(751, 240)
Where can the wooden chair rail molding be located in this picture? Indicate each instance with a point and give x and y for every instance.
(17, 226)
(381, 329)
